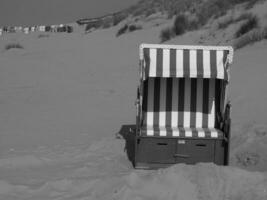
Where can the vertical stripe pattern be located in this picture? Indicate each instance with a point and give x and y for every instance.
(180, 107)
(185, 63)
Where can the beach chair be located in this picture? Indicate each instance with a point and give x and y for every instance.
(183, 112)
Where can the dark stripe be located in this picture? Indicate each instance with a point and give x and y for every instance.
(207, 132)
(159, 63)
(213, 64)
(168, 101)
(156, 131)
(181, 132)
(186, 63)
(147, 61)
(217, 102)
(205, 108)
(156, 101)
(169, 94)
(181, 97)
(225, 53)
(193, 102)
(173, 63)
(145, 95)
(169, 132)
(194, 132)
(200, 70)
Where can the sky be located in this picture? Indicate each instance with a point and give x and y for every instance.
(37, 12)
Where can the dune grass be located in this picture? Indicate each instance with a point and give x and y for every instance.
(166, 34)
(250, 24)
(43, 35)
(251, 37)
(231, 20)
(13, 46)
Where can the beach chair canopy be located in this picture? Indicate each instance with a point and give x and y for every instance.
(185, 61)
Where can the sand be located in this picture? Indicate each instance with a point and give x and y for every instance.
(64, 97)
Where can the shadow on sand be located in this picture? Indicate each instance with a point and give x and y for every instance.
(127, 132)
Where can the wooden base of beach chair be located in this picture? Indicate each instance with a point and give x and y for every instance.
(152, 152)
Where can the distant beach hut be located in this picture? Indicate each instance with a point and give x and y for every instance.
(5, 29)
(26, 30)
(47, 29)
(69, 29)
(32, 29)
(54, 28)
(42, 28)
(11, 29)
(18, 29)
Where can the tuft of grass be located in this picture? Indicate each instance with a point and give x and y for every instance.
(117, 18)
(93, 25)
(122, 30)
(13, 46)
(227, 22)
(166, 34)
(134, 27)
(249, 25)
(43, 36)
(250, 37)
(180, 24)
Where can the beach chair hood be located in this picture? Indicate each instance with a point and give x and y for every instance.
(185, 61)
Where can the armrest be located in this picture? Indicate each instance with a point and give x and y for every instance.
(227, 120)
(138, 110)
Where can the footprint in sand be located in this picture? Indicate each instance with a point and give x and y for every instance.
(260, 130)
(247, 159)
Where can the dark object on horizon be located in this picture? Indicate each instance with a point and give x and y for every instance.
(122, 30)
(69, 29)
(180, 24)
(61, 29)
(251, 23)
(48, 29)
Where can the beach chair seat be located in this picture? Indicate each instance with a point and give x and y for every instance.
(183, 107)
(180, 132)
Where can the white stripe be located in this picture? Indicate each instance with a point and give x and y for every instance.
(150, 102)
(188, 132)
(175, 132)
(153, 62)
(220, 65)
(162, 113)
(162, 119)
(166, 63)
(179, 63)
(150, 116)
(201, 133)
(187, 99)
(214, 133)
(199, 113)
(211, 115)
(150, 132)
(206, 63)
(162, 132)
(174, 117)
(193, 63)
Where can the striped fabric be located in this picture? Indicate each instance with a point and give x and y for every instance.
(182, 132)
(193, 63)
(181, 107)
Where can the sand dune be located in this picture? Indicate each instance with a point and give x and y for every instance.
(64, 97)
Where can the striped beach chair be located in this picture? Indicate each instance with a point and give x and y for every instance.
(183, 112)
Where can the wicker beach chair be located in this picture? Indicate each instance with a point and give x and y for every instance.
(183, 112)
